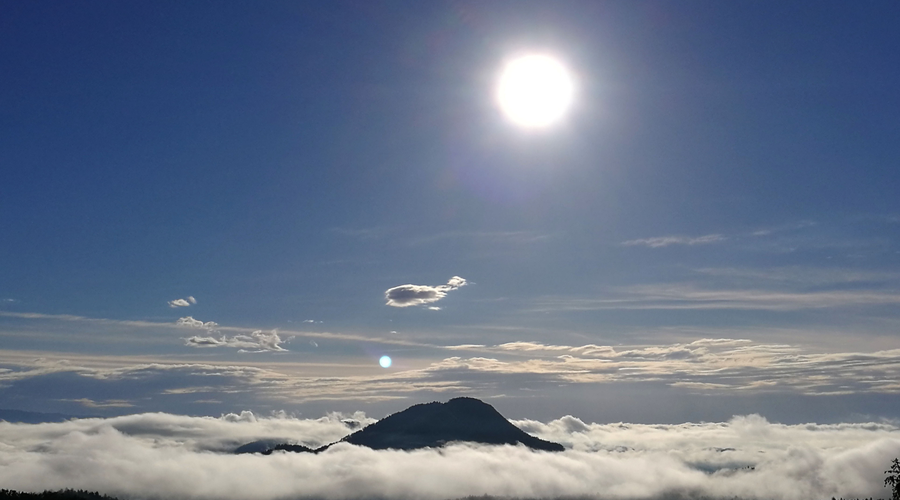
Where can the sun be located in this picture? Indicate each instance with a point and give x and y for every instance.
(535, 91)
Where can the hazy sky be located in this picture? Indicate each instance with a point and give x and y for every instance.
(213, 207)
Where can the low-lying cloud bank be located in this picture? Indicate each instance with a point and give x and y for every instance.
(170, 456)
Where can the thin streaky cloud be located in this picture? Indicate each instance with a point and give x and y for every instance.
(802, 275)
(664, 241)
(190, 322)
(75, 318)
(686, 297)
(515, 237)
(715, 366)
(109, 403)
(367, 233)
(705, 365)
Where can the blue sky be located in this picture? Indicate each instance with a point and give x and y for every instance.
(711, 230)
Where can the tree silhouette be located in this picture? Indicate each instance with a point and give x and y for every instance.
(893, 479)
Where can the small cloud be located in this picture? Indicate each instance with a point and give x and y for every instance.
(414, 295)
(197, 341)
(394, 331)
(664, 241)
(309, 321)
(186, 302)
(434, 308)
(456, 282)
(258, 341)
(190, 322)
(313, 343)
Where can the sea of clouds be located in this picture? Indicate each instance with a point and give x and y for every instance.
(156, 455)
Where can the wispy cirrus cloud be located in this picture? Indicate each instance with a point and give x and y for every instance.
(690, 296)
(496, 237)
(664, 241)
(707, 365)
(186, 302)
(109, 403)
(711, 367)
(415, 295)
(365, 233)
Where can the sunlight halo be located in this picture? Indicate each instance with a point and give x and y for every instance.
(535, 91)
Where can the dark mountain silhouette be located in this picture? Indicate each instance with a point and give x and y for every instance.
(295, 448)
(435, 424)
(264, 446)
(428, 425)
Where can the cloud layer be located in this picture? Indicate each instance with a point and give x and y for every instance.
(174, 456)
(708, 365)
(415, 295)
(864, 382)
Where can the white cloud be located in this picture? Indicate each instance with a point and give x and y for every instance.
(194, 433)
(664, 241)
(256, 341)
(190, 322)
(190, 300)
(163, 455)
(414, 295)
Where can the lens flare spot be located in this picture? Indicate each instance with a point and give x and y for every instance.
(385, 361)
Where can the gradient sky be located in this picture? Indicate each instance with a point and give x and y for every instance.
(204, 205)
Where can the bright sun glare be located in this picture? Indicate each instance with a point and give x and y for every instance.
(535, 91)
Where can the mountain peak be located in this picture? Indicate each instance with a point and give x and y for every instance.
(436, 424)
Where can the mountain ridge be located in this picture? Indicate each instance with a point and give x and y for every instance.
(430, 425)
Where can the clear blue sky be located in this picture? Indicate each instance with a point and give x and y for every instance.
(727, 171)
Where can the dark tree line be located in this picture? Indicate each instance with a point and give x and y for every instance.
(54, 495)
